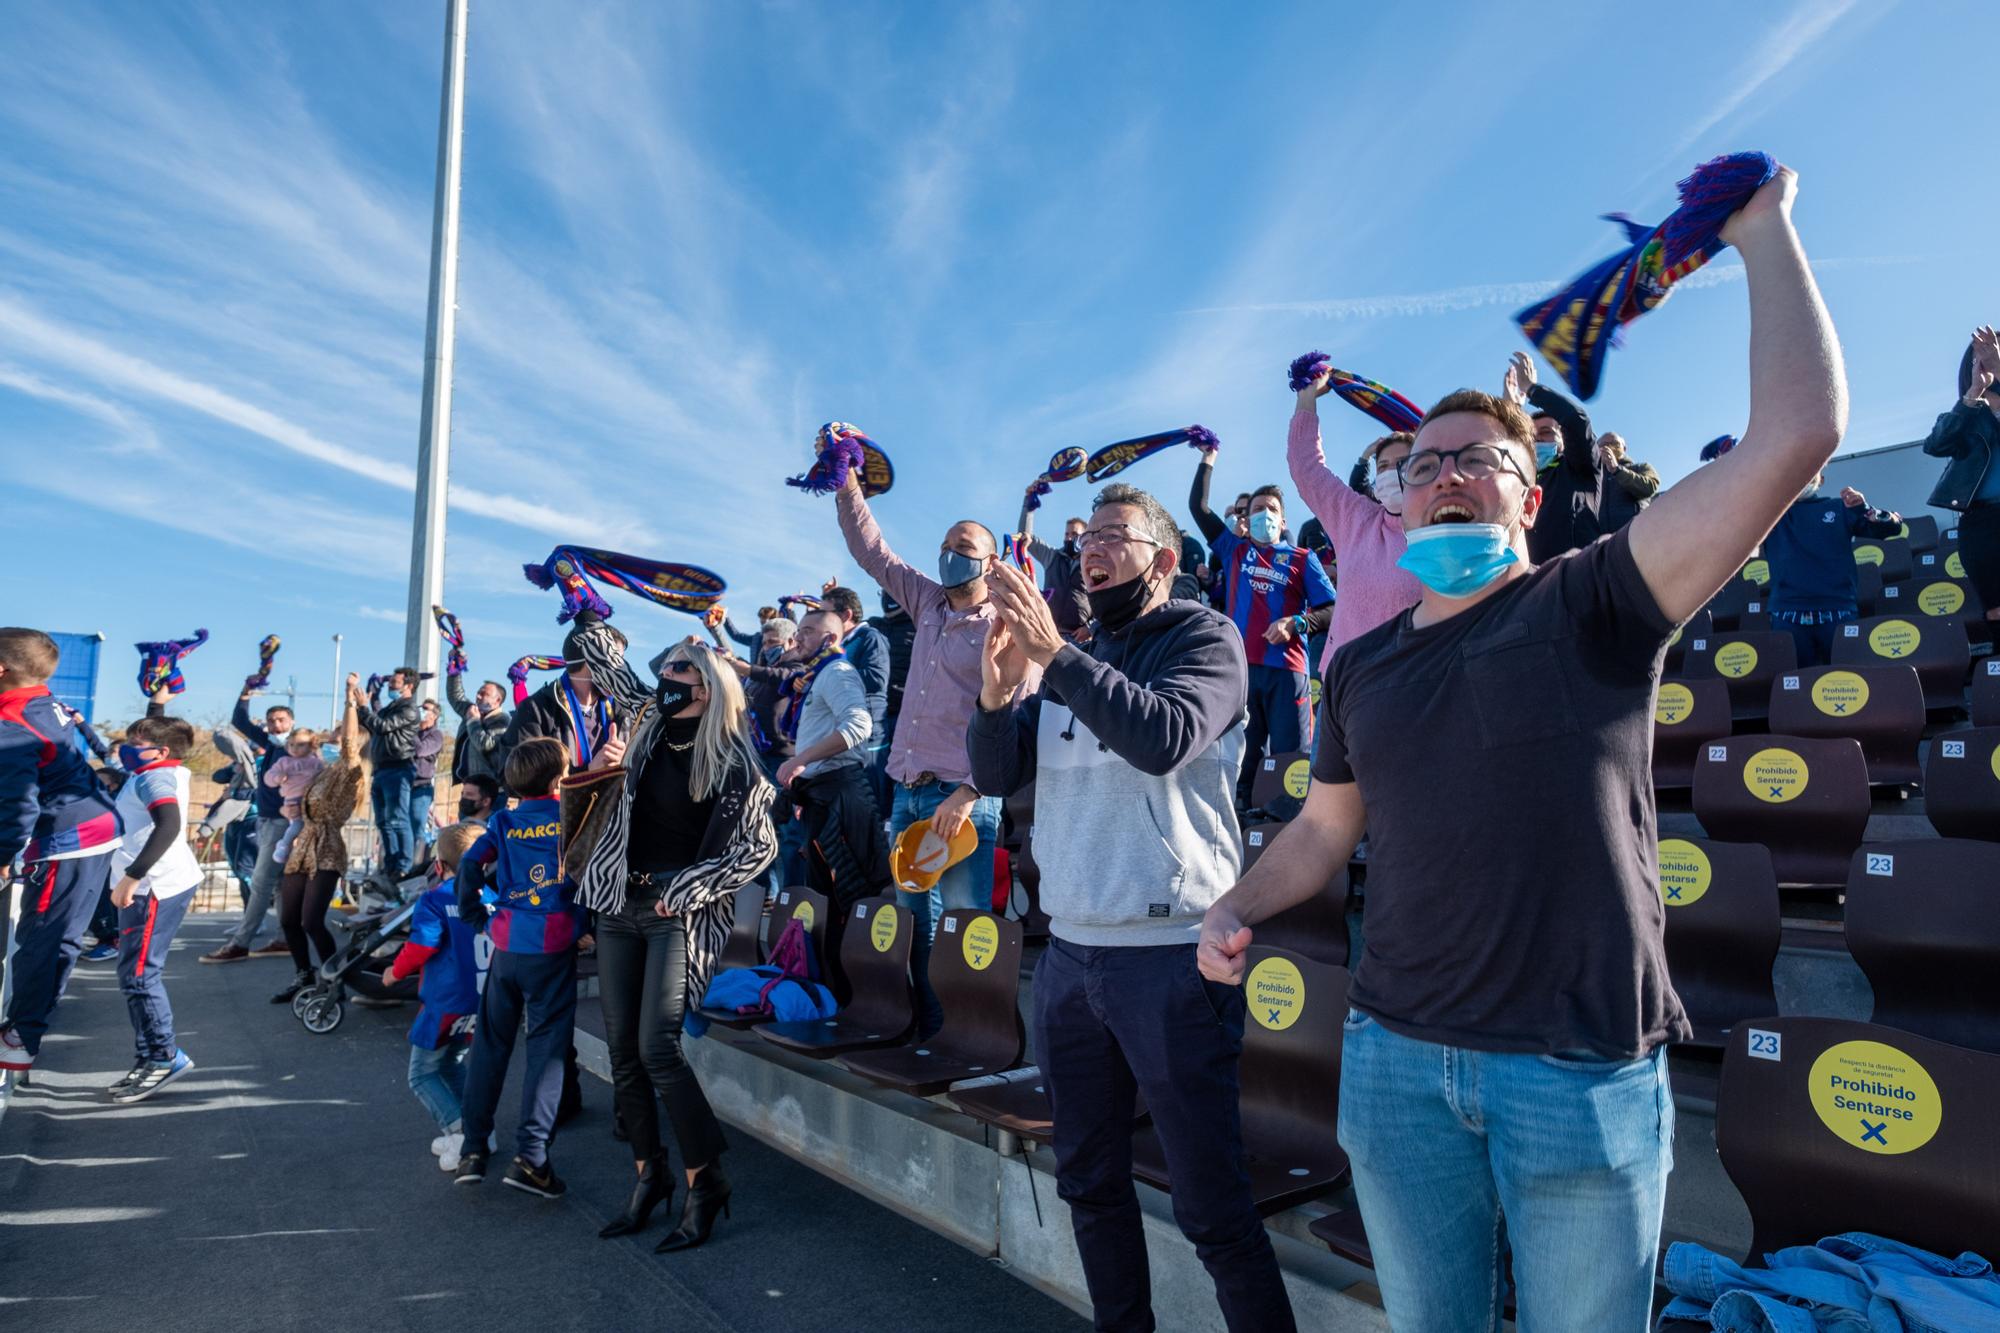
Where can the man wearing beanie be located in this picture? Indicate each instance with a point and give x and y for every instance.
(568, 708)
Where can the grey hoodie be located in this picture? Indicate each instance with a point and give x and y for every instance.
(1134, 746)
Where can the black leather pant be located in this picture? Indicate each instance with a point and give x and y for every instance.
(642, 984)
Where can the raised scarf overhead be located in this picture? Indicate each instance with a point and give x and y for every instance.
(378, 679)
(449, 631)
(1576, 328)
(1065, 465)
(160, 663)
(1717, 447)
(267, 653)
(687, 588)
(518, 673)
(1377, 400)
(788, 605)
(838, 449)
(795, 690)
(1115, 458)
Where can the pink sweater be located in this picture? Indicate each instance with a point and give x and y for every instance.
(291, 774)
(1367, 541)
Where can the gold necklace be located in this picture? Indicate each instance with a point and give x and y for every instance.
(683, 747)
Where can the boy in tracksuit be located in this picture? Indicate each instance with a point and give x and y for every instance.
(1815, 585)
(155, 884)
(58, 819)
(534, 929)
(443, 948)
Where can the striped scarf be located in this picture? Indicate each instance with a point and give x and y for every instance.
(796, 690)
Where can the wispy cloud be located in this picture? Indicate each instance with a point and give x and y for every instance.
(379, 613)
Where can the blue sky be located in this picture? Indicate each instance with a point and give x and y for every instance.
(692, 232)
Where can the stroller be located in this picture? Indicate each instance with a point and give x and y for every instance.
(376, 930)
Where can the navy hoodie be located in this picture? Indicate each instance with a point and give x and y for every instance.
(1811, 553)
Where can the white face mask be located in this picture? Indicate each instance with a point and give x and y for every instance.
(1389, 489)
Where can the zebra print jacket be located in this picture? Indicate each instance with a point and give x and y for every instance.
(739, 843)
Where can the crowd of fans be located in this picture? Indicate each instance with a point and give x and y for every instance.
(1486, 602)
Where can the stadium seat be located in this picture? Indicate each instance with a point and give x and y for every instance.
(976, 972)
(1722, 933)
(1880, 706)
(1937, 648)
(1726, 606)
(1257, 837)
(1962, 783)
(1932, 594)
(1921, 532)
(1804, 798)
(1985, 693)
(1279, 789)
(1699, 626)
(1923, 921)
(875, 955)
(1290, 1083)
(1827, 1125)
(1687, 715)
(1890, 555)
(1747, 662)
(745, 946)
(810, 910)
(1019, 1104)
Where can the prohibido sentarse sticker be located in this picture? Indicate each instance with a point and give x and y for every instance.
(1875, 1097)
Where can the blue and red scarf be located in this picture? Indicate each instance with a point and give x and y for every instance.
(160, 663)
(267, 653)
(518, 673)
(1065, 465)
(687, 588)
(448, 629)
(580, 722)
(839, 449)
(795, 690)
(1377, 400)
(1115, 458)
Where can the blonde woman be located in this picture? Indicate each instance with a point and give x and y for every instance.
(691, 827)
(318, 855)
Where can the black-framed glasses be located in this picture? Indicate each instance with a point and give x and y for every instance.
(1475, 462)
(1111, 534)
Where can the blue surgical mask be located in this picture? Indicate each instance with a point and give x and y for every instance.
(1545, 454)
(1458, 559)
(132, 758)
(330, 752)
(955, 569)
(1265, 526)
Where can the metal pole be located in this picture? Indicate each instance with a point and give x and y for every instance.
(292, 694)
(339, 694)
(420, 645)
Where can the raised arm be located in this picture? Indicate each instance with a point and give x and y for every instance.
(242, 721)
(870, 551)
(454, 693)
(1334, 502)
(1695, 536)
(1204, 517)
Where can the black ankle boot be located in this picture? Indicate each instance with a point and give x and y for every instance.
(299, 983)
(654, 1187)
(708, 1196)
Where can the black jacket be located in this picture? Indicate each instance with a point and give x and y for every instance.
(392, 730)
(1572, 486)
(545, 714)
(1969, 436)
(269, 800)
(478, 749)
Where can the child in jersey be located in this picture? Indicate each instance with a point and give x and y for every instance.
(535, 927)
(447, 952)
(154, 884)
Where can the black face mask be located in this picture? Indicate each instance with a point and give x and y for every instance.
(672, 696)
(1069, 546)
(1117, 605)
(467, 809)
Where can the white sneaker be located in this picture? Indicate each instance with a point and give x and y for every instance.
(444, 1141)
(448, 1159)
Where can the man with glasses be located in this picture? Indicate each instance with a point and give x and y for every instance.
(1133, 743)
(1504, 1054)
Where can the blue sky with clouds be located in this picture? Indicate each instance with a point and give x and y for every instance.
(692, 232)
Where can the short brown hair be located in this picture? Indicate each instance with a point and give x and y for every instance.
(1373, 453)
(172, 734)
(536, 766)
(1275, 492)
(1513, 418)
(454, 842)
(28, 654)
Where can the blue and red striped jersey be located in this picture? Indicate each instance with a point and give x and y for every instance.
(535, 911)
(449, 989)
(1266, 584)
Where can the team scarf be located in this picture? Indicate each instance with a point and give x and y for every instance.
(1065, 465)
(687, 588)
(1015, 551)
(1378, 401)
(160, 663)
(518, 673)
(448, 629)
(788, 605)
(580, 719)
(380, 678)
(839, 449)
(1717, 447)
(797, 688)
(267, 653)
(1115, 458)
(1576, 328)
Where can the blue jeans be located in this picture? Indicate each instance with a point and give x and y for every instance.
(1574, 1153)
(421, 832)
(438, 1079)
(390, 795)
(967, 884)
(540, 989)
(145, 932)
(263, 879)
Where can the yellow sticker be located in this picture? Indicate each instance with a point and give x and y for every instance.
(1996, 763)
(1840, 694)
(803, 914)
(1316, 689)
(1875, 1097)
(1758, 572)
(1298, 777)
(1894, 638)
(1942, 598)
(1676, 701)
(1677, 636)
(982, 941)
(1277, 994)
(1868, 555)
(1735, 659)
(1775, 775)
(1954, 565)
(882, 930)
(1685, 873)
(1903, 531)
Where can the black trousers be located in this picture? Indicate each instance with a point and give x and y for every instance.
(642, 984)
(847, 852)
(302, 904)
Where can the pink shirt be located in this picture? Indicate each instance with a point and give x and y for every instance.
(1367, 541)
(291, 774)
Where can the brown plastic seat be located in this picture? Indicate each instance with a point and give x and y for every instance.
(1019, 1105)
(1962, 783)
(1722, 934)
(1923, 921)
(1935, 594)
(1936, 647)
(1984, 695)
(1747, 662)
(811, 910)
(1699, 626)
(1808, 1166)
(1290, 1083)
(976, 972)
(1687, 714)
(1880, 706)
(1279, 789)
(1726, 607)
(875, 954)
(1804, 798)
(1257, 837)
(1891, 556)
(745, 946)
